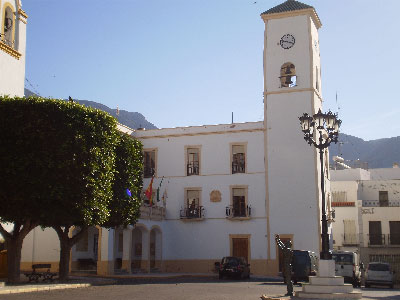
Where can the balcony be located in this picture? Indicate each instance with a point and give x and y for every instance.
(342, 204)
(350, 239)
(238, 167)
(384, 240)
(193, 168)
(376, 239)
(192, 213)
(156, 213)
(394, 239)
(238, 212)
(376, 203)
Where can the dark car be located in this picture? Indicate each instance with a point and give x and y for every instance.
(234, 267)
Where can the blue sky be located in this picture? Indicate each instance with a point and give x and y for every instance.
(193, 62)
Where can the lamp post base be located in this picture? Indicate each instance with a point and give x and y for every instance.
(326, 285)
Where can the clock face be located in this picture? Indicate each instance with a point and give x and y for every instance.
(287, 41)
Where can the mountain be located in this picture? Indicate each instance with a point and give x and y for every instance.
(133, 120)
(380, 153)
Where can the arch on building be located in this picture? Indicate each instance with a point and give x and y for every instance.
(288, 76)
(118, 247)
(8, 25)
(86, 252)
(140, 248)
(155, 248)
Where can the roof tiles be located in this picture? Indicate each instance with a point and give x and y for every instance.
(288, 5)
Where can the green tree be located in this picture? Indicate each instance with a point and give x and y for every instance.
(58, 162)
(123, 208)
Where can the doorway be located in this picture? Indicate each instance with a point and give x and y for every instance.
(240, 246)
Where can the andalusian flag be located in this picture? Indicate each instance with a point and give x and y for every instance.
(158, 190)
(149, 192)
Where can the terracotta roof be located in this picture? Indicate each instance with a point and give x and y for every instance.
(288, 5)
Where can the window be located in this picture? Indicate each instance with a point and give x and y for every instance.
(238, 159)
(340, 196)
(394, 227)
(8, 27)
(83, 244)
(375, 233)
(288, 76)
(350, 234)
(149, 168)
(239, 207)
(193, 161)
(383, 198)
(192, 208)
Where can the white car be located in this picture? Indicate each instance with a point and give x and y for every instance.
(379, 274)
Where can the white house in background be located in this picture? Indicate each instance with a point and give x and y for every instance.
(367, 209)
(12, 48)
(226, 189)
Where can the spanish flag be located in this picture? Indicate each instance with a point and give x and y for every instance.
(149, 192)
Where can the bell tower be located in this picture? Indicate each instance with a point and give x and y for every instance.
(12, 48)
(292, 86)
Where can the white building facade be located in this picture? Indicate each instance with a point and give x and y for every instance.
(367, 209)
(226, 189)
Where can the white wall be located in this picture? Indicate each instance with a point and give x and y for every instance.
(350, 174)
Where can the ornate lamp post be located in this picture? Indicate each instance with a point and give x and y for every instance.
(321, 130)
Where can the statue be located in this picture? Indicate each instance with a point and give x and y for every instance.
(287, 266)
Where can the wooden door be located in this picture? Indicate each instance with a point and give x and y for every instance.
(240, 247)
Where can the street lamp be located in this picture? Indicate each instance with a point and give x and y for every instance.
(326, 127)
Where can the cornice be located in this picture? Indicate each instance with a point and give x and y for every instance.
(9, 50)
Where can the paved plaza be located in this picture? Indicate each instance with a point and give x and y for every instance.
(196, 288)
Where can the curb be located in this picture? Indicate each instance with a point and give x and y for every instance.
(6, 290)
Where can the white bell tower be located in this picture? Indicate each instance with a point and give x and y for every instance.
(292, 86)
(12, 48)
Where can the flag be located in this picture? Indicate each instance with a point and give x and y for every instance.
(149, 192)
(158, 190)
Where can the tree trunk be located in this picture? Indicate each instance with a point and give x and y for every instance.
(14, 247)
(66, 244)
(64, 258)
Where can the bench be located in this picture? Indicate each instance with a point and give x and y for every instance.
(35, 275)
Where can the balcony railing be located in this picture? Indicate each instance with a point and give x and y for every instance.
(193, 168)
(148, 172)
(350, 239)
(376, 239)
(152, 212)
(196, 212)
(376, 203)
(238, 212)
(394, 239)
(238, 167)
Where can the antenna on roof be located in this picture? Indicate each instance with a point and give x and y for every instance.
(232, 117)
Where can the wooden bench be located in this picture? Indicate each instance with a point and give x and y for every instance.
(35, 275)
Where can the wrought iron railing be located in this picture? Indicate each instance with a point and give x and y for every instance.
(394, 239)
(238, 167)
(196, 212)
(376, 203)
(376, 239)
(152, 212)
(148, 171)
(240, 211)
(193, 168)
(350, 239)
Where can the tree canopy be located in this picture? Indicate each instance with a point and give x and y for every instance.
(63, 165)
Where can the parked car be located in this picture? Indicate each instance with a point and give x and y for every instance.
(234, 267)
(304, 264)
(348, 266)
(379, 274)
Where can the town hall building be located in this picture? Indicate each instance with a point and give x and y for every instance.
(221, 190)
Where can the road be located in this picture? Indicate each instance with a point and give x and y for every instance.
(183, 289)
